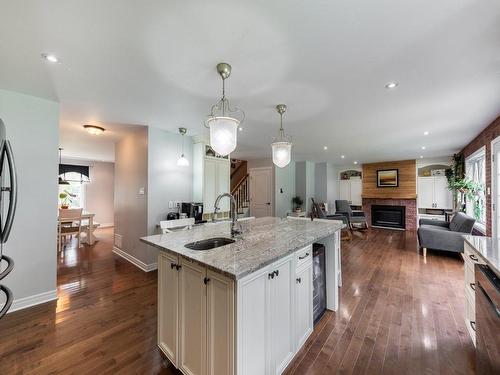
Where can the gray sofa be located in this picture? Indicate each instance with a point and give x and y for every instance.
(441, 235)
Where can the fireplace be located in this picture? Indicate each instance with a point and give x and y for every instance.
(388, 216)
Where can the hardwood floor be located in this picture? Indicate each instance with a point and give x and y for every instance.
(399, 313)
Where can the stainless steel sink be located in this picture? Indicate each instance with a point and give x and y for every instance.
(210, 243)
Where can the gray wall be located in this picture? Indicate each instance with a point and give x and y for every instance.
(285, 189)
(100, 191)
(304, 182)
(32, 126)
(321, 182)
(131, 207)
(167, 181)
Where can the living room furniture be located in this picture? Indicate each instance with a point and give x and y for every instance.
(442, 235)
(69, 224)
(318, 213)
(354, 218)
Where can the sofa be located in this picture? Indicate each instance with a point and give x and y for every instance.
(442, 235)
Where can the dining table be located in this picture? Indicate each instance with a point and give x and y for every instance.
(89, 226)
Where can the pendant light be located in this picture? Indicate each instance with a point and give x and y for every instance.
(182, 161)
(224, 120)
(61, 180)
(282, 146)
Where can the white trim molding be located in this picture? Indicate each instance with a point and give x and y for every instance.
(106, 225)
(136, 262)
(37, 299)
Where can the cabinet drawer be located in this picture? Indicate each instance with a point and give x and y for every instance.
(303, 256)
(470, 256)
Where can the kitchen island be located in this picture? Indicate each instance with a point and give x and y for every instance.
(246, 307)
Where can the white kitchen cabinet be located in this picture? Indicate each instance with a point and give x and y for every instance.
(168, 292)
(303, 303)
(433, 193)
(211, 177)
(192, 319)
(282, 311)
(350, 190)
(220, 326)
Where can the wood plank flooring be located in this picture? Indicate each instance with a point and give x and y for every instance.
(399, 313)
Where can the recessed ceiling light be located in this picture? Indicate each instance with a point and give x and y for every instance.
(94, 129)
(355, 162)
(240, 129)
(423, 147)
(325, 147)
(391, 85)
(426, 133)
(50, 58)
(421, 156)
(342, 156)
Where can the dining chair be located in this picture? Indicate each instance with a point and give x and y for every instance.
(70, 223)
(167, 225)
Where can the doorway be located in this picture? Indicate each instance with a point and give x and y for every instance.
(261, 192)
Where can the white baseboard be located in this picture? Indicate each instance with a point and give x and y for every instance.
(23, 303)
(107, 225)
(136, 262)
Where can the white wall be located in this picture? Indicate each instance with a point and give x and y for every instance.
(321, 182)
(32, 127)
(285, 189)
(305, 182)
(167, 181)
(100, 191)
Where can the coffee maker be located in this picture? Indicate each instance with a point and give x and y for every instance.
(192, 209)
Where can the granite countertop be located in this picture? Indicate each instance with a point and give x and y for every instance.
(263, 241)
(488, 249)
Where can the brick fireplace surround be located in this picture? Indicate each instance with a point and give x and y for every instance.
(410, 211)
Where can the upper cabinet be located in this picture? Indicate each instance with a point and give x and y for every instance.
(350, 187)
(432, 188)
(211, 177)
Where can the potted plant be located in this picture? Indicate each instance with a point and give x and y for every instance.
(298, 202)
(467, 190)
(65, 198)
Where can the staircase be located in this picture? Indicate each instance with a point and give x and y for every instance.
(241, 194)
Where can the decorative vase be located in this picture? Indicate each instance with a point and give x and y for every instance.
(64, 206)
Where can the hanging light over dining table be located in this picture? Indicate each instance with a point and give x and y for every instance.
(282, 146)
(224, 119)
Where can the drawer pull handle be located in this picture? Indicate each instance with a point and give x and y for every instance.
(206, 280)
(173, 265)
(473, 325)
(270, 275)
(299, 280)
(277, 273)
(304, 257)
(473, 286)
(473, 257)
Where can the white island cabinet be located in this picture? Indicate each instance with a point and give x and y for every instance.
(241, 309)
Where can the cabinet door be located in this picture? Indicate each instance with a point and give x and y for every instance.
(220, 326)
(442, 196)
(192, 319)
(168, 278)
(356, 192)
(223, 183)
(282, 310)
(345, 190)
(253, 325)
(303, 305)
(425, 192)
(209, 185)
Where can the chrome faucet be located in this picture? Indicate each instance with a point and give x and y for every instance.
(234, 230)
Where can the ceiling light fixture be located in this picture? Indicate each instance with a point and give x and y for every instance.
(94, 129)
(282, 146)
(426, 133)
(62, 181)
(423, 147)
(355, 162)
(391, 85)
(50, 58)
(421, 156)
(224, 120)
(325, 148)
(182, 161)
(342, 156)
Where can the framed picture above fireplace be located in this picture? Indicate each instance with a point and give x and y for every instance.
(387, 178)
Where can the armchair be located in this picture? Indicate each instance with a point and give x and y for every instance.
(353, 217)
(320, 214)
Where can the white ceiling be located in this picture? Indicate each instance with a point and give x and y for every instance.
(153, 62)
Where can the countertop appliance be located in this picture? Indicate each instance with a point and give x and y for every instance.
(319, 281)
(487, 320)
(8, 200)
(192, 209)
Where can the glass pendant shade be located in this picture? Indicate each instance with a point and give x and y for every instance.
(182, 161)
(223, 134)
(282, 153)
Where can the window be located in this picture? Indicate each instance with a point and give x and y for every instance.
(75, 190)
(475, 170)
